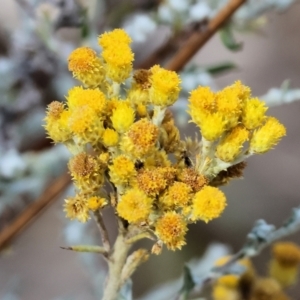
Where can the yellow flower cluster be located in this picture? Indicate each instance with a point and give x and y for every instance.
(234, 286)
(128, 138)
(232, 117)
(248, 284)
(233, 126)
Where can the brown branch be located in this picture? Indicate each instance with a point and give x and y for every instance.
(198, 39)
(103, 230)
(31, 212)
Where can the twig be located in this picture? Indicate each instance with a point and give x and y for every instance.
(86, 248)
(140, 236)
(261, 236)
(23, 220)
(198, 39)
(103, 230)
(133, 261)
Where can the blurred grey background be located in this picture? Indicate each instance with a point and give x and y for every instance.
(269, 190)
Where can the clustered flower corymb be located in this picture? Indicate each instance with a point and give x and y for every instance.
(128, 138)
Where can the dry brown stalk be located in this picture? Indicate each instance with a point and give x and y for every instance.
(32, 211)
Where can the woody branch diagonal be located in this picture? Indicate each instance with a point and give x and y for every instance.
(198, 39)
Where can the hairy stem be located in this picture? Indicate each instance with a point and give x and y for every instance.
(86, 248)
(116, 262)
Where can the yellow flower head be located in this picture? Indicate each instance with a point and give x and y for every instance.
(134, 206)
(93, 98)
(57, 122)
(118, 62)
(284, 266)
(253, 113)
(142, 138)
(86, 66)
(141, 110)
(171, 229)
(86, 172)
(122, 117)
(202, 99)
(77, 208)
(267, 136)
(114, 38)
(212, 126)
(122, 171)
(202, 102)
(230, 147)
(233, 280)
(139, 91)
(229, 105)
(104, 158)
(177, 195)
(152, 181)
(241, 91)
(94, 203)
(267, 289)
(117, 54)
(83, 165)
(165, 86)
(54, 110)
(192, 178)
(208, 204)
(110, 137)
(82, 119)
(287, 253)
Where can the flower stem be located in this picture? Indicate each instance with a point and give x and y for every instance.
(116, 262)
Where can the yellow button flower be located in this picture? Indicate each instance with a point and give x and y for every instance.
(134, 206)
(208, 204)
(171, 229)
(267, 136)
(122, 117)
(165, 86)
(110, 137)
(86, 66)
(95, 203)
(122, 170)
(77, 208)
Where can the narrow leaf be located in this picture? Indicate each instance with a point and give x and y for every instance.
(229, 40)
(220, 68)
(188, 283)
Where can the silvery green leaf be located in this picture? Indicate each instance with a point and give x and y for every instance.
(279, 96)
(220, 68)
(188, 283)
(228, 39)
